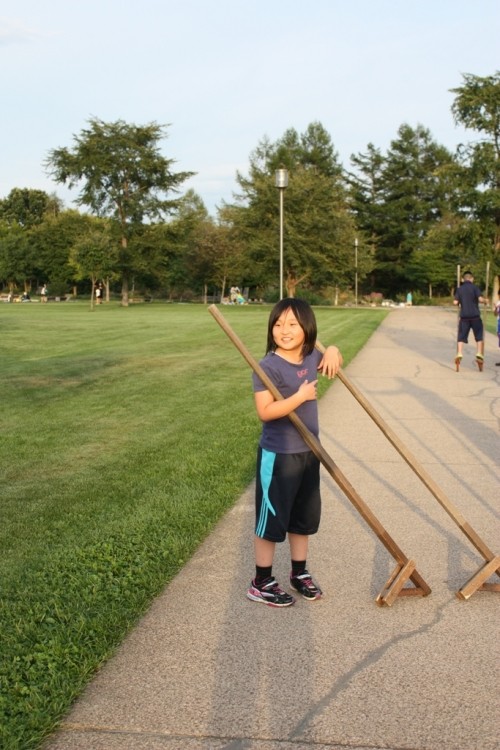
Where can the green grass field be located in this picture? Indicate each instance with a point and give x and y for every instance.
(491, 323)
(125, 435)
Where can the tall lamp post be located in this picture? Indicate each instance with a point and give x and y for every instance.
(281, 177)
(356, 270)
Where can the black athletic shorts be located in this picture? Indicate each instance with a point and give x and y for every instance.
(287, 494)
(466, 324)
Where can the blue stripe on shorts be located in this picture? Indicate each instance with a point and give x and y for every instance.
(266, 475)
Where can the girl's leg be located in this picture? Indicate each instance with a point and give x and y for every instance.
(264, 587)
(299, 544)
(264, 552)
(300, 579)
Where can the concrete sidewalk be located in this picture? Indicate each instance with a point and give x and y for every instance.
(207, 669)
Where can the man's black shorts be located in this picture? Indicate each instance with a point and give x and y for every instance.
(465, 325)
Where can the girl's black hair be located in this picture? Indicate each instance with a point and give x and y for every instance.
(304, 314)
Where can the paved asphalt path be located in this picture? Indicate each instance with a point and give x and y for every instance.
(207, 669)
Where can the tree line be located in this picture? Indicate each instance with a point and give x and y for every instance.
(397, 221)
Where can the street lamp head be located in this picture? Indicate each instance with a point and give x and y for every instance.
(281, 177)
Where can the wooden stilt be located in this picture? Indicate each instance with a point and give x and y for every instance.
(493, 561)
(406, 568)
(395, 584)
(478, 581)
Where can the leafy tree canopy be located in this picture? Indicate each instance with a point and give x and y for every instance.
(318, 228)
(121, 174)
(477, 108)
(28, 207)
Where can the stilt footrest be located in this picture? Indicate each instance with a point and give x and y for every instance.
(395, 585)
(478, 581)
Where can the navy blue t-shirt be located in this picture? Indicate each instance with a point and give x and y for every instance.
(468, 295)
(280, 435)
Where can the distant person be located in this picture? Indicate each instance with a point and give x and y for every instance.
(98, 294)
(44, 293)
(409, 299)
(25, 297)
(467, 297)
(497, 313)
(287, 496)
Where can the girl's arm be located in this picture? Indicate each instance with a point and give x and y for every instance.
(269, 409)
(331, 363)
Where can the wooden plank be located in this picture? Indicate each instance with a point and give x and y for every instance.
(478, 580)
(490, 587)
(394, 586)
(419, 470)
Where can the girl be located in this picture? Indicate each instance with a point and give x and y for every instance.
(288, 497)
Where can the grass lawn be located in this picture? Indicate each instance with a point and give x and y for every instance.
(125, 434)
(491, 323)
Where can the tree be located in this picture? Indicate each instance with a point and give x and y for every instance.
(16, 258)
(22, 212)
(93, 254)
(124, 177)
(213, 258)
(397, 199)
(477, 108)
(27, 207)
(433, 267)
(51, 242)
(318, 227)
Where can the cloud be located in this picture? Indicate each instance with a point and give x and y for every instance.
(14, 32)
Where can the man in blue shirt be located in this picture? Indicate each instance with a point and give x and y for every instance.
(468, 296)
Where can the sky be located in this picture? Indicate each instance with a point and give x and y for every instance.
(225, 74)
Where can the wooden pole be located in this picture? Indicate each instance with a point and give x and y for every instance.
(486, 292)
(457, 360)
(423, 475)
(406, 568)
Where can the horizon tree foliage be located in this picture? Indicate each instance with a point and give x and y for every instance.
(121, 175)
(477, 108)
(397, 198)
(417, 211)
(51, 241)
(170, 244)
(22, 212)
(28, 207)
(16, 260)
(93, 254)
(318, 227)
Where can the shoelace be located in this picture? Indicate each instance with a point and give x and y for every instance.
(307, 581)
(273, 587)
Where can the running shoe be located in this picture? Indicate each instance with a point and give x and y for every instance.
(270, 593)
(305, 585)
